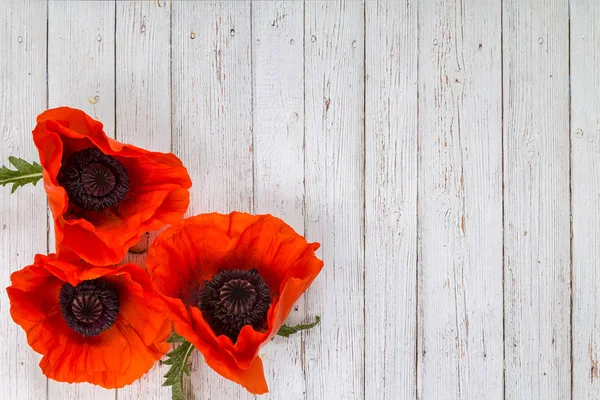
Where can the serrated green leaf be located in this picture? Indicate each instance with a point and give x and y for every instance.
(175, 338)
(178, 360)
(25, 173)
(287, 330)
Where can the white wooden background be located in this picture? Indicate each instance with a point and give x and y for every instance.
(446, 153)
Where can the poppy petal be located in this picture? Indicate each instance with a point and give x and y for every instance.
(194, 250)
(158, 188)
(113, 358)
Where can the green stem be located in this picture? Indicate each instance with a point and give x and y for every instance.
(186, 357)
(184, 369)
(20, 178)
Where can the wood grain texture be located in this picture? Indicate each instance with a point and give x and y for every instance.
(81, 62)
(81, 58)
(143, 74)
(460, 201)
(143, 118)
(390, 200)
(22, 214)
(334, 79)
(212, 126)
(384, 130)
(278, 114)
(585, 186)
(536, 200)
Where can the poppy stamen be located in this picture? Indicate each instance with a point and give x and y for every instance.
(89, 308)
(93, 180)
(233, 299)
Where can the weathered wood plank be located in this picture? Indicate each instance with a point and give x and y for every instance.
(81, 63)
(334, 70)
(212, 125)
(391, 200)
(22, 214)
(143, 87)
(217, 55)
(585, 185)
(460, 343)
(81, 58)
(536, 200)
(278, 113)
(143, 117)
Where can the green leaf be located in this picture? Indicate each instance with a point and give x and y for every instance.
(178, 360)
(175, 338)
(25, 173)
(287, 330)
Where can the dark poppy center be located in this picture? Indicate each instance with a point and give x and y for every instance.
(98, 179)
(89, 308)
(233, 299)
(93, 180)
(237, 296)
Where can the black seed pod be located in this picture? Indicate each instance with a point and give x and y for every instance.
(93, 180)
(89, 308)
(233, 299)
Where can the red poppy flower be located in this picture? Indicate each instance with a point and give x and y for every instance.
(229, 282)
(104, 194)
(94, 324)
